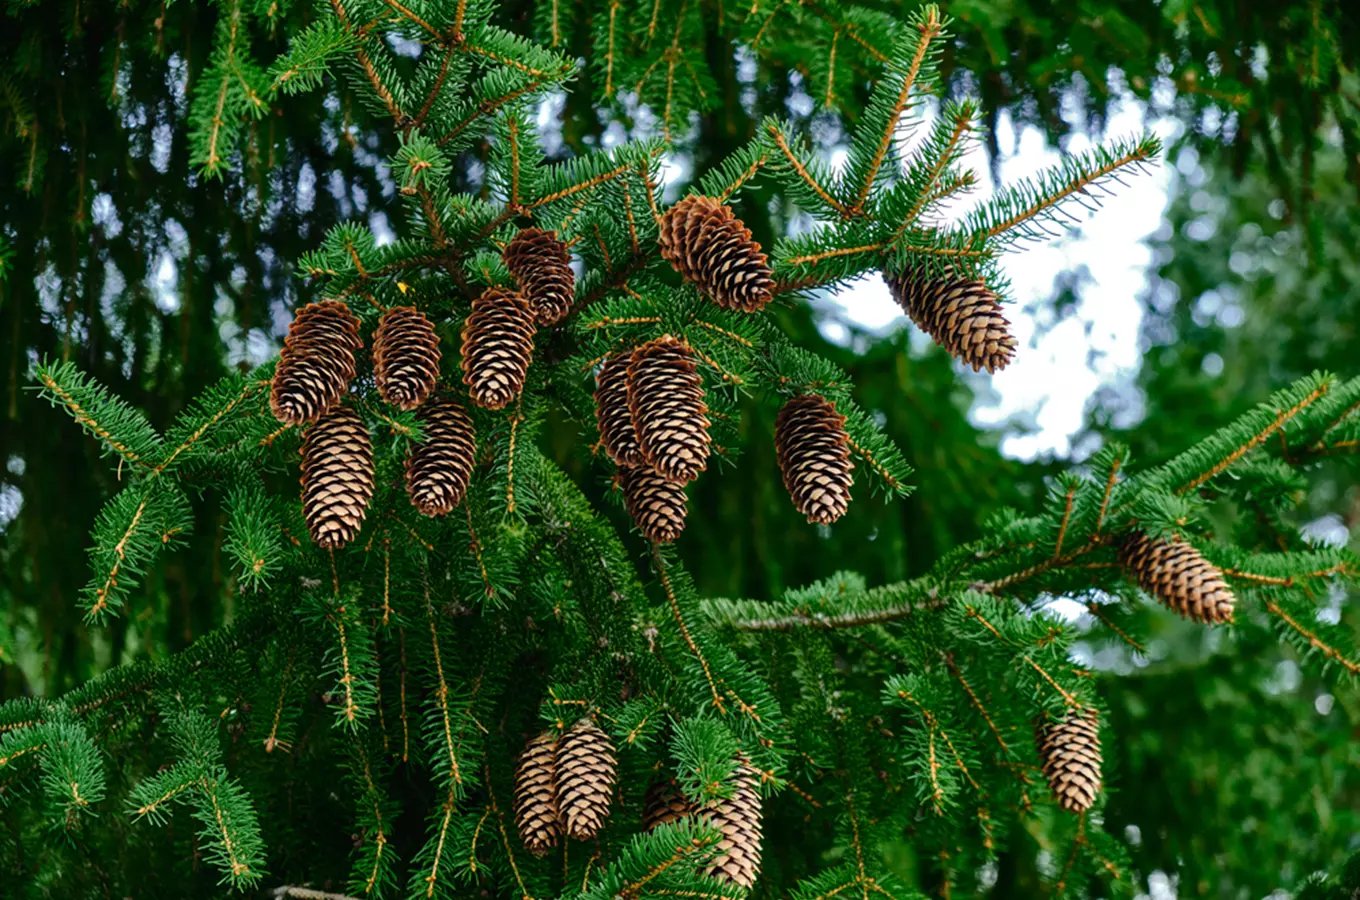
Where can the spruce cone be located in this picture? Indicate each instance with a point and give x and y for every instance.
(664, 804)
(498, 344)
(657, 506)
(1070, 752)
(666, 399)
(1175, 572)
(814, 457)
(611, 412)
(536, 814)
(405, 357)
(712, 248)
(439, 468)
(541, 266)
(337, 477)
(962, 315)
(316, 364)
(738, 817)
(586, 770)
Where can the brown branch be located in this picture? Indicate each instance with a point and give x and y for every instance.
(803, 173)
(684, 628)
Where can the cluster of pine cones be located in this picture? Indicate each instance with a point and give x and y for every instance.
(1178, 575)
(565, 785)
(318, 362)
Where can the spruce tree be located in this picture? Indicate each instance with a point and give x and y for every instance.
(438, 596)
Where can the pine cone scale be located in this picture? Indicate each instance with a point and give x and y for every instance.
(738, 817)
(813, 451)
(657, 505)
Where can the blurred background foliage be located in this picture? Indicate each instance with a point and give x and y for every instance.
(120, 253)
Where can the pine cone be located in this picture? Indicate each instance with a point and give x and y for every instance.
(541, 266)
(316, 364)
(738, 818)
(498, 345)
(657, 506)
(814, 457)
(337, 477)
(666, 399)
(961, 314)
(611, 412)
(1070, 752)
(664, 804)
(712, 248)
(439, 468)
(1176, 574)
(536, 814)
(586, 771)
(405, 357)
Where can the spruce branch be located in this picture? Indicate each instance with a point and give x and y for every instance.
(1025, 212)
(123, 430)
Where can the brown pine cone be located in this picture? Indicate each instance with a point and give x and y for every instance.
(664, 804)
(316, 364)
(658, 506)
(712, 248)
(961, 314)
(536, 815)
(666, 399)
(405, 357)
(337, 477)
(814, 457)
(611, 412)
(498, 345)
(586, 771)
(1175, 573)
(1070, 752)
(541, 266)
(738, 818)
(439, 468)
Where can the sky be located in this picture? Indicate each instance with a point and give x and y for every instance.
(1060, 364)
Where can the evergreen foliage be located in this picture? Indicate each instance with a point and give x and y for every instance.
(412, 666)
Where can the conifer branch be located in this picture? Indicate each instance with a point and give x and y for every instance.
(684, 628)
(929, 27)
(441, 693)
(797, 166)
(1314, 641)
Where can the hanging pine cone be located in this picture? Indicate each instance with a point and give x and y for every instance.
(586, 770)
(611, 412)
(541, 266)
(316, 364)
(814, 457)
(664, 804)
(405, 357)
(961, 314)
(337, 477)
(1175, 573)
(1070, 752)
(439, 468)
(666, 399)
(657, 506)
(712, 248)
(738, 818)
(498, 344)
(536, 815)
